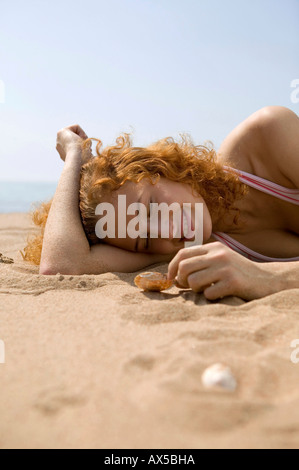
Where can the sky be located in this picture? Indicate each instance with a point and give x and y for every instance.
(154, 68)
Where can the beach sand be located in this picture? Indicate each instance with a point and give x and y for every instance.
(92, 362)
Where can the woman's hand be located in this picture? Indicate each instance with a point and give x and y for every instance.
(218, 271)
(71, 138)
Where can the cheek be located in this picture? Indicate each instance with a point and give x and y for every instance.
(207, 224)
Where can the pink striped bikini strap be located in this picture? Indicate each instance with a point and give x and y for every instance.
(266, 186)
(247, 252)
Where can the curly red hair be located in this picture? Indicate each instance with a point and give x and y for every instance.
(182, 162)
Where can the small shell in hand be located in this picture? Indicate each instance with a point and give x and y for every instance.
(152, 281)
(219, 376)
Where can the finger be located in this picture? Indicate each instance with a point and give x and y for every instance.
(184, 253)
(78, 130)
(217, 290)
(188, 266)
(61, 152)
(201, 280)
(179, 285)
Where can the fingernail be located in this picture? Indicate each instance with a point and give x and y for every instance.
(177, 284)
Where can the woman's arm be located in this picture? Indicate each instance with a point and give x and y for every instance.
(65, 243)
(106, 258)
(65, 248)
(286, 274)
(218, 271)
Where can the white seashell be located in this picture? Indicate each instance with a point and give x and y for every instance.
(219, 376)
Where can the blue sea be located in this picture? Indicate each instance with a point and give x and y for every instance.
(19, 196)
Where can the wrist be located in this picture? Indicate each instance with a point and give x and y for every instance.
(278, 277)
(73, 152)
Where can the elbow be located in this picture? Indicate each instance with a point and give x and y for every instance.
(45, 271)
(49, 270)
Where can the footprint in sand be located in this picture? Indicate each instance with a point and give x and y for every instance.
(54, 400)
(141, 362)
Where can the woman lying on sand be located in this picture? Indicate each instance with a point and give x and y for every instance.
(250, 208)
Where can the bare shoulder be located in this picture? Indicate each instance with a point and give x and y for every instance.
(242, 147)
(266, 144)
(280, 141)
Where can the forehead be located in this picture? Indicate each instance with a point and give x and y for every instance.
(134, 191)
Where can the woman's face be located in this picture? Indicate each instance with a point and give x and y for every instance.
(165, 191)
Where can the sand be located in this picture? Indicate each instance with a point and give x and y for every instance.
(92, 362)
